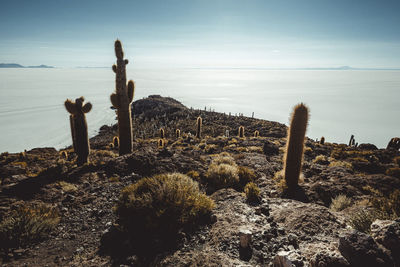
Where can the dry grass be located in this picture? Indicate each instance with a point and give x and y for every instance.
(162, 203)
(340, 203)
(28, 224)
(252, 192)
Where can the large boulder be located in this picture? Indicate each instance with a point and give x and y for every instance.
(387, 234)
(360, 250)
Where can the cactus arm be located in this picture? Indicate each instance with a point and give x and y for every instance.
(131, 90)
(114, 100)
(87, 107)
(70, 106)
(118, 49)
(114, 68)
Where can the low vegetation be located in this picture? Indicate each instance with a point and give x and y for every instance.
(252, 192)
(27, 224)
(382, 207)
(340, 203)
(162, 203)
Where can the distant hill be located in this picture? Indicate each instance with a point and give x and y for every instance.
(14, 65)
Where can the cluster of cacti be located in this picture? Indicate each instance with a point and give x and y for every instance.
(322, 141)
(178, 133)
(241, 132)
(198, 129)
(79, 129)
(394, 143)
(121, 100)
(295, 146)
(256, 133)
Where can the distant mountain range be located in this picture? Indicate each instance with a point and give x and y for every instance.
(14, 65)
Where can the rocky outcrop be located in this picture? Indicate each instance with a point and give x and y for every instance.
(360, 250)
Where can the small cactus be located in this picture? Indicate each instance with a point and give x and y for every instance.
(160, 143)
(64, 155)
(198, 124)
(162, 133)
(121, 100)
(178, 133)
(256, 133)
(241, 132)
(394, 143)
(226, 133)
(351, 142)
(322, 141)
(295, 146)
(115, 141)
(79, 128)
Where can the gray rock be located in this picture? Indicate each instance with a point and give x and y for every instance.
(387, 234)
(360, 249)
(328, 259)
(288, 259)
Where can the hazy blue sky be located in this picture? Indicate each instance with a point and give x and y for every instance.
(202, 33)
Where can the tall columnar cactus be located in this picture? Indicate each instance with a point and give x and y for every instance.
(162, 133)
(79, 128)
(241, 131)
(295, 145)
(121, 100)
(178, 133)
(198, 124)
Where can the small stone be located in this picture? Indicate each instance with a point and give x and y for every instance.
(245, 238)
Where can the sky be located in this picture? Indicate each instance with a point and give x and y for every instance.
(202, 33)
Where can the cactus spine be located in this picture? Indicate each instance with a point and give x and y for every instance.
(178, 133)
(199, 124)
(121, 100)
(295, 146)
(162, 133)
(79, 128)
(241, 131)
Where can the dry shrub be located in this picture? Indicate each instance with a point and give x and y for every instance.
(246, 175)
(362, 219)
(162, 203)
(222, 175)
(321, 159)
(383, 207)
(252, 192)
(27, 224)
(340, 203)
(194, 175)
(342, 164)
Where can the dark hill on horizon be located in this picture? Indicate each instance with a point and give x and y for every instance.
(15, 65)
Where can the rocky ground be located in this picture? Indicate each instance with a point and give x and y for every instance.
(278, 231)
